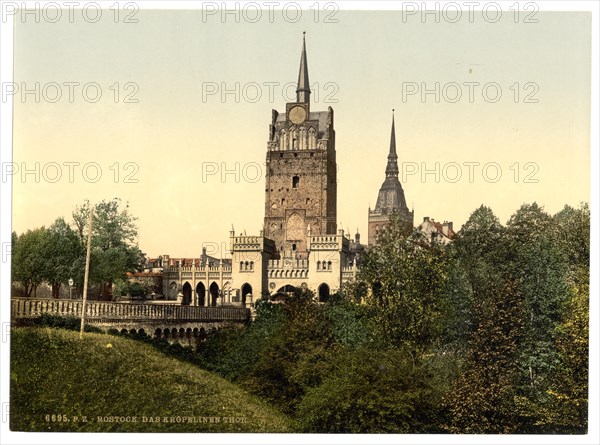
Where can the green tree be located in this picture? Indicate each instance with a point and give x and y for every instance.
(29, 259)
(482, 400)
(355, 291)
(125, 288)
(571, 228)
(479, 249)
(372, 391)
(233, 352)
(114, 242)
(539, 267)
(490, 309)
(295, 359)
(62, 251)
(458, 322)
(407, 280)
(560, 404)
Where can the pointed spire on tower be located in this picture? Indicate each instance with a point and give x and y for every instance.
(392, 165)
(303, 90)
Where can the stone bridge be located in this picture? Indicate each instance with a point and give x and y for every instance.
(184, 324)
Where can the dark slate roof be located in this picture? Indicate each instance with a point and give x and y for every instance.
(391, 196)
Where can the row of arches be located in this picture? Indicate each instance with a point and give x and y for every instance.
(323, 292)
(214, 293)
(172, 333)
(300, 273)
(298, 139)
(323, 265)
(247, 265)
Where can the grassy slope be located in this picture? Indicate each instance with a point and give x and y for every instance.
(53, 372)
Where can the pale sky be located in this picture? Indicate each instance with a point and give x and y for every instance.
(363, 62)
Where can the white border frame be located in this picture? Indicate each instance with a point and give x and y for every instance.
(8, 437)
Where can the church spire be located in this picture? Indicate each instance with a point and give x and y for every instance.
(392, 165)
(303, 90)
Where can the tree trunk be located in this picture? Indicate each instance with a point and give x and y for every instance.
(55, 290)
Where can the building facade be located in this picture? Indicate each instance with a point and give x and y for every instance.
(300, 245)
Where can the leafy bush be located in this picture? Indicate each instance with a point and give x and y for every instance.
(70, 323)
(372, 391)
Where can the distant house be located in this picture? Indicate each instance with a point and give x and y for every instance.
(435, 232)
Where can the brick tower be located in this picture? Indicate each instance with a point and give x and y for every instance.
(301, 176)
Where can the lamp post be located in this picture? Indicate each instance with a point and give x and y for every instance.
(70, 288)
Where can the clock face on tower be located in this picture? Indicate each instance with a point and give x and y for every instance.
(297, 114)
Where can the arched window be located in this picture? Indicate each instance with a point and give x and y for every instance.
(283, 140)
(312, 139)
(282, 202)
(318, 265)
(241, 265)
(294, 138)
(295, 182)
(246, 268)
(329, 265)
(302, 139)
(294, 247)
(251, 265)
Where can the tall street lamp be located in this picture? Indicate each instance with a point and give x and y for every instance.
(70, 288)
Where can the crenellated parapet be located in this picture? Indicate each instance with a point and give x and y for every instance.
(329, 242)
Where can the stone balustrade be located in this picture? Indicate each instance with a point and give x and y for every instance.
(106, 312)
